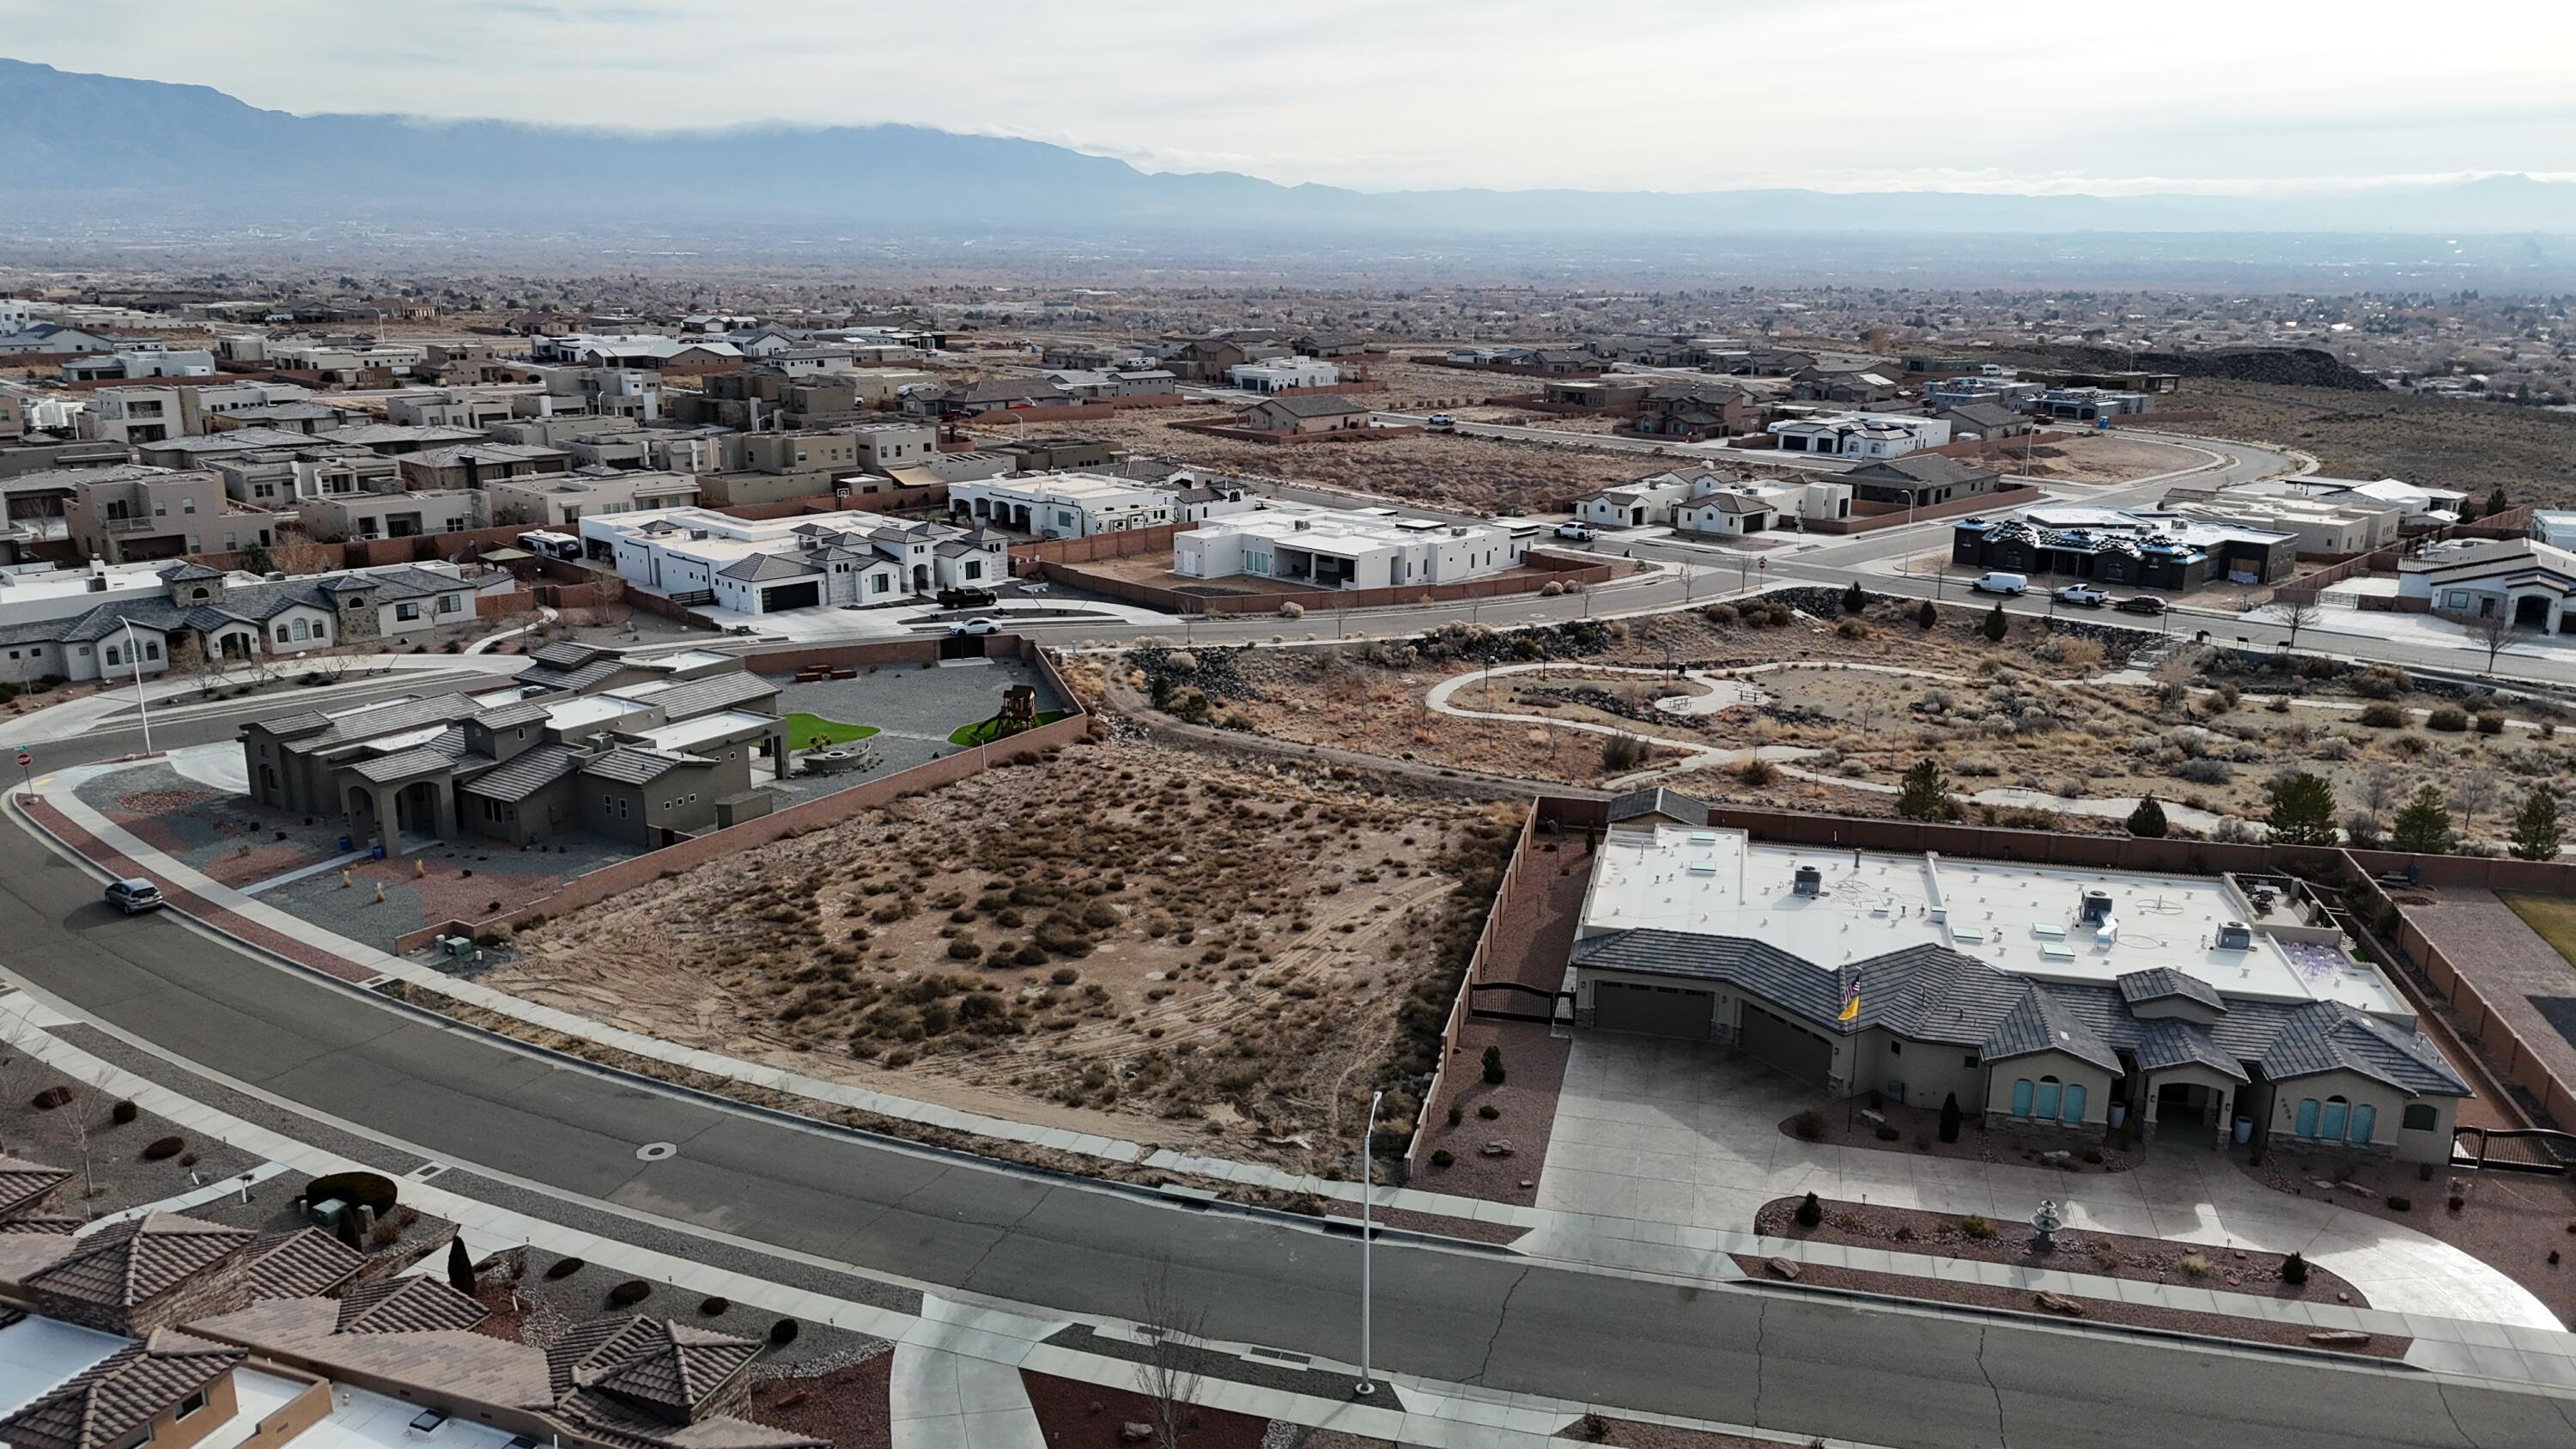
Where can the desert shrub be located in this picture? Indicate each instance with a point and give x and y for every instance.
(1443, 1157)
(1977, 1226)
(386, 1233)
(1457, 1114)
(2093, 1156)
(1292, 610)
(2383, 716)
(1719, 613)
(1064, 976)
(1756, 771)
(2205, 772)
(1493, 1064)
(50, 1098)
(2448, 718)
(1810, 1211)
(562, 1268)
(161, 1147)
(1887, 1133)
(2399, 1202)
(1851, 629)
(2193, 1264)
(124, 1112)
(2490, 722)
(962, 949)
(782, 1333)
(714, 1307)
(2294, 1270)
(1489, 1112)
(2381, 682)
(1809, 1125)
(629, 1293)
(1620, 753)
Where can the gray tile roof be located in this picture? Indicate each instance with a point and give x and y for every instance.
(1313, 405)
(630, 765)
(2163, 982)
(715, 692)
(404, 764)
(565, 656)
(1658, 801)
(764, 566)
(370, 724)
(525, 773)
(1933, 994)
(508, 716)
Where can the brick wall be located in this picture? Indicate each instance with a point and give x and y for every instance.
(1475, 972)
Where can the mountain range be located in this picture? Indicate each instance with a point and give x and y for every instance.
(87, 148)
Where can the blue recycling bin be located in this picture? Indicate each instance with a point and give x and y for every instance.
(376, 854)
(347, 845)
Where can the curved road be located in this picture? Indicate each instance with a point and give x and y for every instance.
(1740, 1354)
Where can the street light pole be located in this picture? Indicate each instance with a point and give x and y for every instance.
(1368, 1380)
(140, 710)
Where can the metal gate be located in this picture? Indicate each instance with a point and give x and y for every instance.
(1656, 1010)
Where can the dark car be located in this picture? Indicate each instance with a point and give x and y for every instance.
(2140, 604)
(967, 598)
(134, 895)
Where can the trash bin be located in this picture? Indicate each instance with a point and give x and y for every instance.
(376, 853)
(2244, 1130)
(347, 845)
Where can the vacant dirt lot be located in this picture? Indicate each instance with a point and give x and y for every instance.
(1120, 939)
(2530, 453)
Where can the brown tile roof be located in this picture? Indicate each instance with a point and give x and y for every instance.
(455, 1362)
(121, 1393)
(300, 1264)
(596, 1417)
(24, 1183)
(663, 1366)
(406, 1305)
(138, 1260)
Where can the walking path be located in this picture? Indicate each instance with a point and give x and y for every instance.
(2419, 1288)
(955, 1379)
(488, 642)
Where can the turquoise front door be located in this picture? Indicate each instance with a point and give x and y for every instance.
(2047, 1097)
(2307, 1123)
(2336, 1109)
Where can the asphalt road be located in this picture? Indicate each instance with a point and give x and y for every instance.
(1747, 1355)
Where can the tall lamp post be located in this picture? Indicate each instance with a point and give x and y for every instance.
(136, 655)
(1368, 1380)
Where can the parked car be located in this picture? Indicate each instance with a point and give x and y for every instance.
(2140, 604)
(2009, 585)
(975, 626)
(1443, 423)
(967, 598)
(2082, 596)
(1579, 532)
(134, 895)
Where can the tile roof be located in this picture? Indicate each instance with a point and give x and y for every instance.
(715, 692)
(1312, 405)
(300, 1263)
(414, 1304)
(24, 1184)
(632, 766)
(2162, 982)
(404, 764)
(525, 773)
(137, 1260)
(661, 1365)
(368, 724)
(120, 1394)
(1931, 993)
(507, 716)
(762, 566)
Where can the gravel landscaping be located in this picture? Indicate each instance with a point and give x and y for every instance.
(847, 1406)
(534, 1304)
(2097, 1310)
(1918, 1133)
(2105, 1255)
(118, 1176)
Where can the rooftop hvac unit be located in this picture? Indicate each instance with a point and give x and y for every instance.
(2097, 907)
(2235, 936)
(1809, 881)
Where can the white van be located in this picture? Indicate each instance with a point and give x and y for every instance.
(2008, 585)
(551, 545)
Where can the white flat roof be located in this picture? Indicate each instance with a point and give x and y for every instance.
(256, 1395)
(707, 727)
(38, 1353)
(361, 1420)
(2025, 919)
(573, 714)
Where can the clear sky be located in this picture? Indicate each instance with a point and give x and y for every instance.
(2193, 95)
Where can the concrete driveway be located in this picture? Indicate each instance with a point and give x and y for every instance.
(1677, 1132)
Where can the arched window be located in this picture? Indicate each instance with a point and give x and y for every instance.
(2419, 1117)
(2074, 1110)
(2305, 1125)
(2337, 1110)
(2021, 1097)
(303, 629)
(2046, 1103)
(2365, 1123)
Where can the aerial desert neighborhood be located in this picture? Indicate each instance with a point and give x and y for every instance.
(1004, 728)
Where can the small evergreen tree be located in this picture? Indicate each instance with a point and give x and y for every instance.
(2303, 809)
(1927, 616)
(1494, 1065)
(1996, 625)
(1810, 1211)
(2496, 502)
(2536, 831)
(2147, 822)
(1950, 1117)
(460, 1268)
(2294, 1270)
(2423, 823)
(1853, 599)
(1926, 793)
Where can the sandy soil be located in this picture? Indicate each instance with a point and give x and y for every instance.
(1076, 1415)
(1105, 941)
(2529, 452)
(2096, 458)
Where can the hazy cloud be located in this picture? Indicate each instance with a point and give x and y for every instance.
(1610, 94)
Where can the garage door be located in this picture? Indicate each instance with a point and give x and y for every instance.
(1786, 1045)
(1660, 1010)
(791, 596)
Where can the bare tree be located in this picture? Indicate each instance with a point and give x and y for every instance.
(2492, 633)
(2298, 608)
(2380, 790)
(1167, 1375)
(75, 1125)
(2471, 793)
